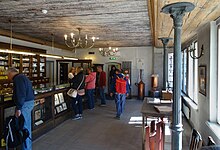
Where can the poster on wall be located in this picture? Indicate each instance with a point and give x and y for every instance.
(140, 63)
(202, 79)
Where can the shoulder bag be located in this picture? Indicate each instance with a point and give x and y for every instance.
(73, 92)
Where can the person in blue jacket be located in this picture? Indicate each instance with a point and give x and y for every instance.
(23, 97)
(119, 97)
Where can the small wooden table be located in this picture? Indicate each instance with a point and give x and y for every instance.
(148, 110)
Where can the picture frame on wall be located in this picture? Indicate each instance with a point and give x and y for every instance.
(202, 79)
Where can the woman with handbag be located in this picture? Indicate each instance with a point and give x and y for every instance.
(78, 84)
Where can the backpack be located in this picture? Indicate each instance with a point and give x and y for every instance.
(14, 132)
(120, 85)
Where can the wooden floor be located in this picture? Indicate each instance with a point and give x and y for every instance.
(99, 130)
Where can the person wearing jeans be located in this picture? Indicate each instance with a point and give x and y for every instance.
(23, 97)
(90, 86)
(77, 107)
(90, 98)
(78, 83)
(119, 97)
(26, 111)
(101, 85)
(120, 103)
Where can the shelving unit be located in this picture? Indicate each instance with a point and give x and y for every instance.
(26, 65)
(62, 68)
(15, 61)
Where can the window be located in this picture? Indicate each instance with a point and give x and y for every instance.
(190, 72)
(184, 71)
(218, 102)
(170, 70)
(193, 73)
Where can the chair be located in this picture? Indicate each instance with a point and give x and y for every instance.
(160, 135)
(155, 137)
(195, 140)
(210, 141)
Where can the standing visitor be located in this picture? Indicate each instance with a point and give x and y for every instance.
(111, 76)
(23, 97)
(101, 85)
(78, 82)
(71, 74)
(120, 88)
(90, 87)
(127, 76)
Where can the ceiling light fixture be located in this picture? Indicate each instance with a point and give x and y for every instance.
(108, 51)
(69, 58)
(51, 56)
(44, 11)
(79, 42)
(16, 52)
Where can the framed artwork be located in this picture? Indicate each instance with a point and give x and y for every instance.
(64, 106)
(37, 114)
(56, 98)
(202, 79)
(60, 95)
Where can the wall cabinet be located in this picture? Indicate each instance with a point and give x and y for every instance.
(63, 67)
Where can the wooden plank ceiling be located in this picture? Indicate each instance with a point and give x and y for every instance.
(119, 23)
(162, 24)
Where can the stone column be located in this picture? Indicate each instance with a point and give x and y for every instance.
(165, 41)
(177, 11)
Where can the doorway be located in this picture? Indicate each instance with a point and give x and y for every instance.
(50, 71)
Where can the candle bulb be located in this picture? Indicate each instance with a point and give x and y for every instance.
(93, 39)
(71, 35)
(86, 37)
(65, 37)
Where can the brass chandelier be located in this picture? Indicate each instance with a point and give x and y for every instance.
(80, 42)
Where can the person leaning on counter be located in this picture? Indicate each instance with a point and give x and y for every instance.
(23, 97)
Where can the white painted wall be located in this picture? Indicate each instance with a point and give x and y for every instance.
(207, 36)
(126, 54)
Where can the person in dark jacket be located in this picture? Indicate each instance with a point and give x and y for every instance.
(23, 97)
(78, 82)
(119, 97)
(101, 85)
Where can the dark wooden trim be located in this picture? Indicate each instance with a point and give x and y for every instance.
(22, 48)
(31, 39)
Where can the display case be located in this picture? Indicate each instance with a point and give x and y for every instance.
(63, 65)
(42, 111)
(15, 61)
(4, 62)
(34, 67)
(26, 65)
(52, 107)
(42, 69)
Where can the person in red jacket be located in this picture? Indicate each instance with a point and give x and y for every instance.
(90, 87)
(101, 84)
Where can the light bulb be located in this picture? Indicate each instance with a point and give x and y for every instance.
(65, 37)
(71, 35)
(93, 39)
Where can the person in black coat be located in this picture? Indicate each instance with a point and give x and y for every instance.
(78, 83)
